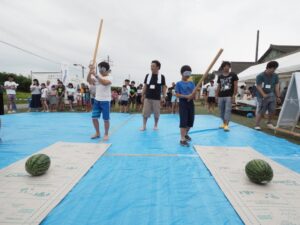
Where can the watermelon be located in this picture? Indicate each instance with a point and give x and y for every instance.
(37, 164)
(259, 171)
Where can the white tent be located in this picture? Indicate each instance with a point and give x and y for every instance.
(287, 65)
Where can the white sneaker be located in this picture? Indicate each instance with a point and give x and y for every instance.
(13, 111)
(257, 128)
(270, 126)
(9, 112)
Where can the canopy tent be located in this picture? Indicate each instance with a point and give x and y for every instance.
(287, 65)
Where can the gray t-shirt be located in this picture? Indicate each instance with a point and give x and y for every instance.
(267, 82)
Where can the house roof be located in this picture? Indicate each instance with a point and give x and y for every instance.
(239, 67)
(284, 49)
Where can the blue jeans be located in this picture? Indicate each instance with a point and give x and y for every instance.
(225, 108)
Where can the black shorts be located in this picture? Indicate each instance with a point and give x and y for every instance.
(71, 98)
(139, 99)
(186, 113)
(124, 103)
(132, 100)
(211, 100)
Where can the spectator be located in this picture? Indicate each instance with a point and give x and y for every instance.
(114, 98)
(71, 94)
(60, 96)
(211, 99)
(53, 99)
(92, 93)
(132, 96)
(139, 103)
(10, 86)
(44, 97)
(35, 89)
(124, 99)
(87, 98)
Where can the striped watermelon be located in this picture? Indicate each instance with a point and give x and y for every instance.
(37, 164)
(259, 171)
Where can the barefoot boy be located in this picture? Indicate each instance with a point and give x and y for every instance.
(103, 97)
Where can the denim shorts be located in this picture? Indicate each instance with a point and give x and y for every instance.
(101, 107)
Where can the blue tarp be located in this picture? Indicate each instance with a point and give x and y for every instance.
(138, 190)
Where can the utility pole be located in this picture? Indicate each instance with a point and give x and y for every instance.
(257, 45)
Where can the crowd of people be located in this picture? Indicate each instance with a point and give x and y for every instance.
(153, 95)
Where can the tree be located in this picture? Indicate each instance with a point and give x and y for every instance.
(24, 82)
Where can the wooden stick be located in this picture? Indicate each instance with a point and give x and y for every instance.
(97, 43)
(209, 68)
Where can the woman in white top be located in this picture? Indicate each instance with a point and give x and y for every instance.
(71, 93)
(35, 89)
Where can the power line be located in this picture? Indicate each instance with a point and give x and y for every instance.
(32, 53)
(29, 52)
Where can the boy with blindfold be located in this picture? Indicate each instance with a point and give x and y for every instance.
(185, 92)
(102, 99)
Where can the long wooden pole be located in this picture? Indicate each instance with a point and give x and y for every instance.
(209, 68)
(97, 43)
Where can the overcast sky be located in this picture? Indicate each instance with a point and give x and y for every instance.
(137, 31)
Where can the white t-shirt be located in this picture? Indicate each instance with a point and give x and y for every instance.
(212, 91)
(35, 90)
(103, 93)
(71, 91)
(44, 92)
(8, 84)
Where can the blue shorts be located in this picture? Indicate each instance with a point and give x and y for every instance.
(101, 107)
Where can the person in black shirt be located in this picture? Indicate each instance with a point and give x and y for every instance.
(226, 92)
(132, 96)
(154, 88)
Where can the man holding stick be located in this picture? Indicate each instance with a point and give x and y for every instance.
(226, 92)
(155, 84)
(102, 100)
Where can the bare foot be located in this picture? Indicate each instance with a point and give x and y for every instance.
(105, 138)
(143, 129)
(95, 136)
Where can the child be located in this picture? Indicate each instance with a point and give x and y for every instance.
(87, 98)
(139, 104)
(78, 97)
(103, 97)
(124, 99)
(44, 97)
(70, 94)
(53, 98)
(61, 95)
(185, 92)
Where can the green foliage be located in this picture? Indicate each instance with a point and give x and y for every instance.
(24, 82)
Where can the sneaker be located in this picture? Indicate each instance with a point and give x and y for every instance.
(226, 128)
(13, 111)
(270, 126)
(9, 112)
(184, 143)
(188, 138)
(222, 126)
(257, 128)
